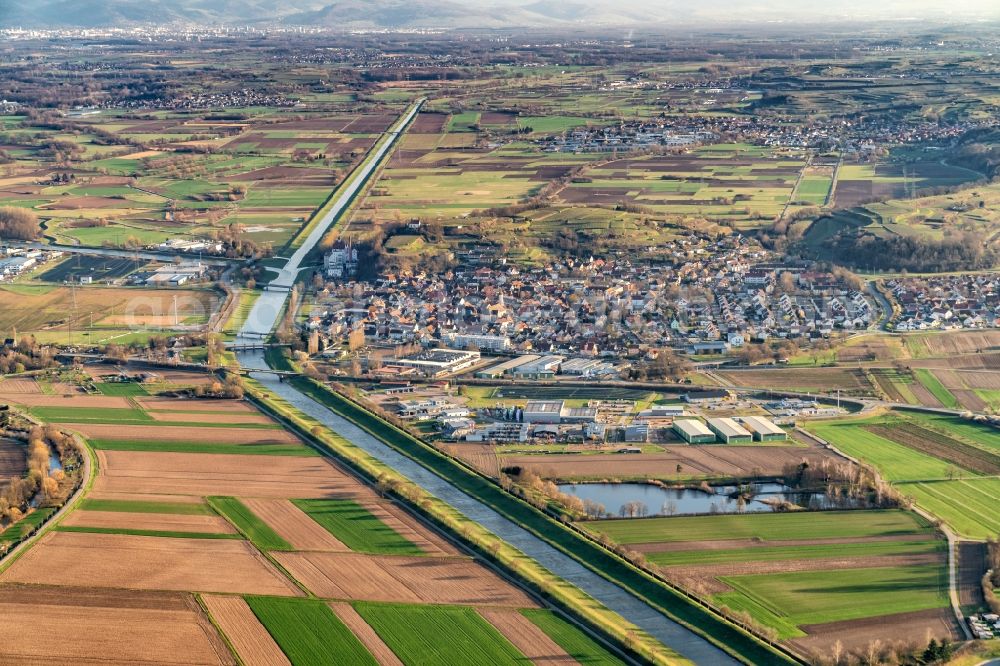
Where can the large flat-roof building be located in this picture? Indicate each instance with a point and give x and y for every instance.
(500, 369)
(556, 411)
(438, 362)
(764, 430)
(729, 431)
(693, 431)
(543, 411)
(545, 367)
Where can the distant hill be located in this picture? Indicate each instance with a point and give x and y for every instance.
(395, 14)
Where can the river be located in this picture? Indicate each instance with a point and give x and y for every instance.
(261, 321)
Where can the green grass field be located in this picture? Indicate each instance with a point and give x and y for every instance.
(357, 527)
(470, 639)
(123, 389)
(265, 449)
(763, 526)
(110, 415)
(787, 600)
(896, 462)
(23, 527)
(779, 553)
(577, 644)
(968, 506)
(139, 506)
(309, 633)
(166, 534)
(965, 501)
(248, 524)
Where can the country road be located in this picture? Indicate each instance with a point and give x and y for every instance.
(261, 321)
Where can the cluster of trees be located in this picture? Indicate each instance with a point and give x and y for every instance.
(958, 252)
(991, 579)
(26, 354)
(668, 366)
(230, 388)
(51, 487)
(238, 244)
(979, 150)
(18, 223)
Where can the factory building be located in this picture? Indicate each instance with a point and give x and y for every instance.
(729, 431)
(764, 430)
(693, 432)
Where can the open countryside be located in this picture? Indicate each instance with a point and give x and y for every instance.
(500, 333)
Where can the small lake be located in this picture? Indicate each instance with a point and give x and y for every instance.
(54, 463)
(686, 501)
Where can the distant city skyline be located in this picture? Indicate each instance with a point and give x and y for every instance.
(487, 14)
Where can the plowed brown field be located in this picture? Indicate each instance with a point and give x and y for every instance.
(13, 459)
(702, 460)
(528, 638)
(294, 526)
(165, 432)
(904, 628)
(246, 634)
(431, 580)
(365, 634)
(411, 529)
(149, 563)
(87, 626)
(204, 474)
(90, 401)
(173, 417)
(186, 405)
(19, 386)
(150, 521)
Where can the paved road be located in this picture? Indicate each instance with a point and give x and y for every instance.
(267, 308)
(261, 321)
(884, 305)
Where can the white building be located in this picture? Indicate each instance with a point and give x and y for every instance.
(341, 260)
(494, 343)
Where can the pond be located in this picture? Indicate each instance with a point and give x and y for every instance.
(687, 501)
(54, 463)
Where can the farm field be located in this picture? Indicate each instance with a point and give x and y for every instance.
(230, 545)
(806, 380)
(948, 465)
(696, 462)
(265, 174)
(804, 574)
(13, 460)
(95, 313)
(124, 627)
